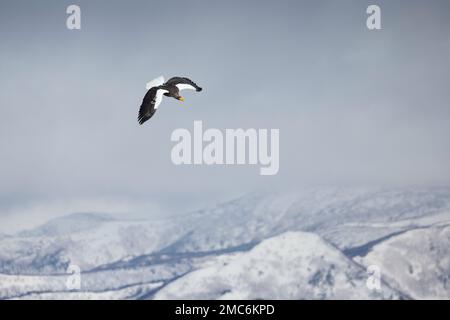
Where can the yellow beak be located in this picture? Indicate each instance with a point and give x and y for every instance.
(181, 98)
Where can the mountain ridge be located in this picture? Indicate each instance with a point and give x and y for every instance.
(355, 222)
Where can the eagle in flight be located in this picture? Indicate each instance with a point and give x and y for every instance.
(157, 88)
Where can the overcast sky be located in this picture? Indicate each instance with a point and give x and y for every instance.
(352, 105)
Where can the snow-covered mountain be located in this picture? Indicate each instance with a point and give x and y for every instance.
(293, 265)
(312, 243)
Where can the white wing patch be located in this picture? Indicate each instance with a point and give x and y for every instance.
(159, 96)
(182, 86)
(155, 82)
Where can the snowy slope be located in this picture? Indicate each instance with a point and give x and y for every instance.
(353, 228)
(294, 265)
(416, 261)
(35, 252)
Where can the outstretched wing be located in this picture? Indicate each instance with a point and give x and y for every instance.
(183, 83)
(155, 83)
(150, 103)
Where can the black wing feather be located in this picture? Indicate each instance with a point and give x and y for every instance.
(147, 109)
(176, 80)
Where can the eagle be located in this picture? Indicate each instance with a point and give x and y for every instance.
(157, 88)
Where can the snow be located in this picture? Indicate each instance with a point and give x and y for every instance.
(262, 245)
(417, 261)
(294, 265)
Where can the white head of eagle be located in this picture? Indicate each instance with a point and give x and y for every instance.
(157, 88)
